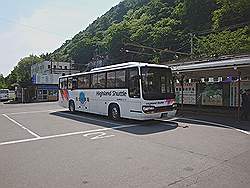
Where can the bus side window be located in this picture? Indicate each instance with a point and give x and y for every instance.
(65, 83)
(61, 83)
(133, 83)
(94, 81)
(74, 83)
(101, 80)
(83, 82)
(111, 79)
(120, 79)
(70, 82)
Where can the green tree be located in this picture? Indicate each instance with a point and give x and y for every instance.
(198, 14)
(164, 24)
(224, 43)
(231, 12)
(21, 74)
(2, 82)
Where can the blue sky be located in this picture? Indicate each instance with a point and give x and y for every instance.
(40, 26)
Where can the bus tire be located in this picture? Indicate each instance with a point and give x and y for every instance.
(71, 106)
(114, 112)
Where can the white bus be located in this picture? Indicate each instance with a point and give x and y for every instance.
(4, 94)
(129, 90)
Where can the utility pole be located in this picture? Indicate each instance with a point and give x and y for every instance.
(22, 96)
(71, 62)
(51, 66)
(191, 44)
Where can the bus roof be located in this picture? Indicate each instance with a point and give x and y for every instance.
(118, 66)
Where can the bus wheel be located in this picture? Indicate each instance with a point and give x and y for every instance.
(114, 112)
(71, 106)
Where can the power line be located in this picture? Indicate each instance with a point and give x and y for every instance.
(183, 46)
(233, 26)
(140, 53)
(156, 49)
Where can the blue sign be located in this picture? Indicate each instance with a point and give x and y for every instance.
(82, 97)
(55, 87)
(33, 79)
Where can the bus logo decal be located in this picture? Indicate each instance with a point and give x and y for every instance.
(64, 94)
(82, 97)
(111, 93)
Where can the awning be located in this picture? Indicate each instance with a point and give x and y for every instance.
(223, 68)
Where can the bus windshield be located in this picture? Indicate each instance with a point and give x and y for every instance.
(157, 83)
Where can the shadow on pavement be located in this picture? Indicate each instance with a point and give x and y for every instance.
(143, 128)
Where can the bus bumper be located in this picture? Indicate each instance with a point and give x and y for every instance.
(165, 115)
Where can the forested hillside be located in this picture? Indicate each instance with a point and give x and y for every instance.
(154, 31)
(161, 30)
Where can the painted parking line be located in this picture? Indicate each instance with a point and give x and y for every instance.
(20, 125)
(87, 133)
(34, 112)
(68, 134)
(217, 124)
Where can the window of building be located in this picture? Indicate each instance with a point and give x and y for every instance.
(60, 67)
(45, 92)
(50, 92)
(54, 66)
(49, 67)
(65, 67)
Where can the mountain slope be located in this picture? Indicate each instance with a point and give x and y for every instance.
(159, 30)
(95, 31)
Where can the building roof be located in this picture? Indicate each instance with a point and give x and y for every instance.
(214, 68)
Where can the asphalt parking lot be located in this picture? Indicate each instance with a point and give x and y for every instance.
(43, 145)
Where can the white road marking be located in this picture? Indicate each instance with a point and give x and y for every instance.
(67, 134)
(34, 112)
(99, 135)
(14, 121)
(217, 124)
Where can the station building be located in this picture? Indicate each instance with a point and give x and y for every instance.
(45, 77)
(212, 83)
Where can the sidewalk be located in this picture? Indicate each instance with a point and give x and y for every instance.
(210, 110)
(217, 120)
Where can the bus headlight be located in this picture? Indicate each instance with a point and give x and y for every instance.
(148, 109)
(175, 106)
